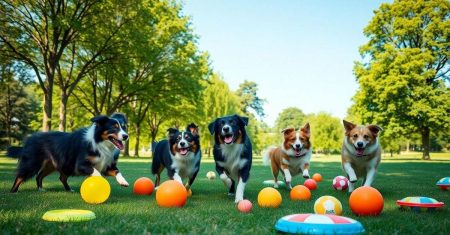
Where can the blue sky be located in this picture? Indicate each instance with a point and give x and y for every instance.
(300, 53)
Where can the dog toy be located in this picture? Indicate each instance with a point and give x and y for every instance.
(317, 177)
(300, 192)
(271, 183)
(328, 205)
(143, 186)
(318, 224)
(418, 204)
(444, 183)
(245, 206)
(311, 184)
(95, 190)
(171, 194)
(269, 197)
(68, 215)
(340, 183)
(366, 200)
(211, 175)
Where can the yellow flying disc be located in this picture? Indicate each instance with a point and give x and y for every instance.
(68, 215)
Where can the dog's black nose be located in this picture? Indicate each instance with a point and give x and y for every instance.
(297, 146)
(125, 136)
(182, 144)
(360, 144)
(226, 129)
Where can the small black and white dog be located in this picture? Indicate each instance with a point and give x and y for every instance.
(232, 153)
(180, 154)
(91, 150)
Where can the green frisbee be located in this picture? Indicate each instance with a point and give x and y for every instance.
(68, 215)
(270, 182)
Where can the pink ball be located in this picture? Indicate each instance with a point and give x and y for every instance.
(245, 206)
(340, 183)
(311, 184)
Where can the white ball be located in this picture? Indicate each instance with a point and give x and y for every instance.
(340, 183)
(211, 175)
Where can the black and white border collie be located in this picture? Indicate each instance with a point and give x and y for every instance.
(232, 153)
(180, 154)
(87, 151)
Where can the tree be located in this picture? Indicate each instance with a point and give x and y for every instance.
(404, 73)
(247, 93)
(37, 33)
(289, 117)
(326, 132)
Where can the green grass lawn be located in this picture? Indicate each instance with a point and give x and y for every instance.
(211, 211)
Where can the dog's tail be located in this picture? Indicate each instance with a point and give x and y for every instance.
(14, 152)
(266, 155)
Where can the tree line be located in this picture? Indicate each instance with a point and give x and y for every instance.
(62, 62)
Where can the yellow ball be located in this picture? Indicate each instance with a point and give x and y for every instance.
(95, 190)
(328, 205)
(269, 197)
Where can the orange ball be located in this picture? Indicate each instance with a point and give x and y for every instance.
(245, 206)
(311, 184)
(366, 201)
(171, 194)
(301, 193)
(143, 186)
(317, 177)
(269, 197)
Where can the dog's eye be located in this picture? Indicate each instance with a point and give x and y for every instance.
(222, 122)
(355, 136)
(366, 137)
(232, 122)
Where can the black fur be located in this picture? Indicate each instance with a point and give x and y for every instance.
(164, 155)
(70, 153)
(229, 132)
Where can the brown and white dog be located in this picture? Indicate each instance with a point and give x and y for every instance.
(361, 153)
(292, 157)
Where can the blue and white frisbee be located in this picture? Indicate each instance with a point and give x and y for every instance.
(318, 224)
(444, 183)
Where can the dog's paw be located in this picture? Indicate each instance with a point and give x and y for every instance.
(306, 176)
(275, 185)
(41, 190)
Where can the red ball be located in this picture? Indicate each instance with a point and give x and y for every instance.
(340, 183)
(311, 184)
(366, 201)
(171, 194)
(143, 186)
(245, 206)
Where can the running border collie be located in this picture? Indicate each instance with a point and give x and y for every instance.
(180, 153)
(87, 151)
(232, 153)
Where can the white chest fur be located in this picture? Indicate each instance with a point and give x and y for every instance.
(185, 166)
(106, 151)
(233, 162)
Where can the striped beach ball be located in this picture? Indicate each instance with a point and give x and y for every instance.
(318, 224)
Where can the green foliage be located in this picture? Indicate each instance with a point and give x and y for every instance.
(247, 93)
(404, 77)
(327, 133)
(289, 117)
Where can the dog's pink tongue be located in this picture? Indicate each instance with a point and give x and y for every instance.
(228, 139)
(359, 151)
(183, 151)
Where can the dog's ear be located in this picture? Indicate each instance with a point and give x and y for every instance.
(171, 132)
(193, 129)
(212, 126)
(348, 126)
(375, 129)
(288, 131)
(306, 129)
(243, 120)
(100, 119)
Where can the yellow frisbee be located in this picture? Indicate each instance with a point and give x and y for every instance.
(68, 215)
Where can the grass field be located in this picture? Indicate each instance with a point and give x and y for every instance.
(211, 211)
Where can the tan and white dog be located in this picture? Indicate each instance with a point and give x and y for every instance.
(361, 153)
(292, 157)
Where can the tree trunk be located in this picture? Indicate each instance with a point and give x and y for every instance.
(407, 146)
(62, 111)
(426, 143)
(126, 152)
(138, 134)
(48, 97)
